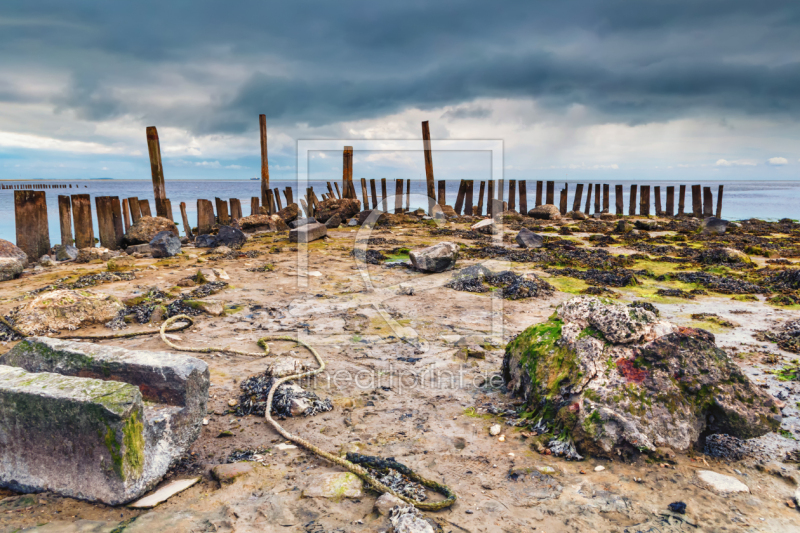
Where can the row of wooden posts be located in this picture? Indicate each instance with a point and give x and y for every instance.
(36, 186)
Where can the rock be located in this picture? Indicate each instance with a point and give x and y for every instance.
(576, 215)
(528, 239)
(286, 366)
(364, 215)
(334, 222)
(11, 250)
(507, 217)
(46, 261)
(65, 309)
(222, 250)
(228, 473)
(335, 485)
(138, 249)
(10, 268)
(645, 224)
(607, 216)
(487, 227)
(436, 258)
(67, 253)
(344, 207)
(385, 503)
(263, 222)
(732, 255)
(714, 225)
(405, 290)
(107, 254)
(302, 222)
(289, 213)
(94, 439)
(419, 212)
(204, 241)
(677, 507)
(87, 255)
(308, 233)
(408, 520)
(628, 382)
(144, 229)
(165, 244)
(719, 483)
(448, 211)
(599, 468)
(210, 307)
(231, 237)
(495, 430)
(121, 263)
(352, 222)
(163, 493)
(545, 212)
(623, 226)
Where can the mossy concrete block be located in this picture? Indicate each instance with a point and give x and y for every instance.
(309, 232)
(83, 438)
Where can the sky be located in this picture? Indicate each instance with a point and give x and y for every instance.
(575, 89)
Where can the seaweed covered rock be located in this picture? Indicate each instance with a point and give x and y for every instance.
(65, 309)
(344, 207)
(146, 228)
(545, 212)
(603, 378)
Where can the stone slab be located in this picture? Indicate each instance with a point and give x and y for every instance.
(308, 233)
(720, 483)
(164, 493)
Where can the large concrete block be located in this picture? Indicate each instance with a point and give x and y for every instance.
(84, 381)
(309, 232)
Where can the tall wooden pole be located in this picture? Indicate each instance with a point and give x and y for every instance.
(347, 174)
(262, 124)
(30, 213)
(65, 219)
(187, 229)
(426, 141)
(157, 171)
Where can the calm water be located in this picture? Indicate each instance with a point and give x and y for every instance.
(770, 200)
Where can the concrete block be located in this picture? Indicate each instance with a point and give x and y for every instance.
(309, 232)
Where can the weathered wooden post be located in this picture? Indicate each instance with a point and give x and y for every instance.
(65, 220)
(287, 192)
(144, 207)
(254, 205)
(426, 143)
(670, 201)
(708, 202)
(596, 197)
(187, 229)
(408, 195)
(157, 171)
(135, 209)
(576, 202)
(236, 208)
(262, 128)
(644, 206)
(441, 192)
(606, 195)
(398, 196)
(523, 197)
(82, 218)
(126, 215)
(620, 201)
(479, 211)
(384, 202)
(657, 191)
(563, 202)
(490, 199)
(116, 211)
(468, 198)
(681, 200)
(30, 213)
(719, 202)
(512, 195)
(632, 201)
(338, 192)
(588, 208)
(364, 194)
(539, 187)
(205, 217)
(697, 202)
(462, 190)
(277, 196)
(105, 222)
(347, 174)
(222, 211)
(374, 194)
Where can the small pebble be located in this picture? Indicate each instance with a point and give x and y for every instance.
(502, 438)
(599, 468)
(469, 511)
(495, 430)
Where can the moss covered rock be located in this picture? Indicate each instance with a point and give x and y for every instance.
(603, 378)
(65, 310)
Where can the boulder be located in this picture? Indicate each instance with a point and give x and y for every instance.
(344, 207)
(605, 215)
(144, 229)
(528, 239)
(334, 222)
(47, 261)
(9, 249)
(612, 379)
(623, 226)
(364, 215)
(66, 253)
(204, 241)
(448, 211)
(645, 224)
(229, 473)
(308, 233)
(487, 227)
(545, 212)
(121, 263)
(10, 268)
(576, 215)
(165, 244)
(65, 309)
(714, 226)
(302, 222)
(289, 213)
(508, 216)
(436, 258)
(263, 223)
(86, 255)
(385, 503)
(231, 237)
(138, 249)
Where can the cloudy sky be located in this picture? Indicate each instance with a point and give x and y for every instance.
(576, 90)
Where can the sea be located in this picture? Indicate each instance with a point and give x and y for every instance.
(767, 200)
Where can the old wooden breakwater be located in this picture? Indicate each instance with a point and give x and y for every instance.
(115, 216)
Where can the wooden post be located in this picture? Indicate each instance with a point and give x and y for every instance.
(65, 220)
(620, 202)
(606, 194)
(287, 192)
(708, 202)
(489, 199)
(426, 143)
(222, 211)
(236, 208)
(441, 192)
(563, 202)
(408, 196)
(157, 171)
(105, 222)
(126, 215)
(576, 202)
(364, 194)
(657, 190)
(374, 194)
(30, 213)
(116, 211)
(82, 218)
(538, 194)
(719, 202)
(305, 207)
(462, 190)
(347, 173)
(632, 201)
(398, 196)
(512, 195)
(501, 191)
(597, 208)
(262, 128)
(144, 206)
(479, 211)
(338, 193)
(254, 205)
(384, 202)
(681, 200)
(135, 209)
(187, 229)
(271, 201)
(330, 189)
(670, 201)
(551, 190)
(205, 217)
(523, 197)
(468, 198)
(697, 202)
(588, 208)
(644, 205)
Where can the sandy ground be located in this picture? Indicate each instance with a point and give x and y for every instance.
(409, 399)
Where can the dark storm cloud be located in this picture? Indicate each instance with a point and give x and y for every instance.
(635, 62)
